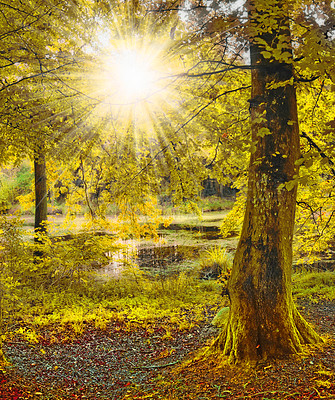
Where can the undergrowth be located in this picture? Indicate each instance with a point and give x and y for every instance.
(180, 301)
(214, 262)
(314, 285)
(65, 291)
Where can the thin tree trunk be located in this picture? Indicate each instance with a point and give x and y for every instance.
(263, 321)
(41, 199)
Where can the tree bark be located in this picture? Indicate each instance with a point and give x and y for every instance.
(263, 321)
(41, 199)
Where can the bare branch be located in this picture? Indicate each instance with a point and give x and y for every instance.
(221, 71)
(317, 99)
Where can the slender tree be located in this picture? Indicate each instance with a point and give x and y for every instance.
(41, 191)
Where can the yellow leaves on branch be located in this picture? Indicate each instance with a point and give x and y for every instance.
(139, 219)
(263, 131)
(232, 223)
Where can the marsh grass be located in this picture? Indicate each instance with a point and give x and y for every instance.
(214, 262)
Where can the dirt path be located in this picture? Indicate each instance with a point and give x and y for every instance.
(144, 363)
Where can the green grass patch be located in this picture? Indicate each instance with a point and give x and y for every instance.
(206, 219)
(214, 203)
(314, 285)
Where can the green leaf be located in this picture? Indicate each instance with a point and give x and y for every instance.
(290, 185)
(253, 147)
(260, 41)
(308, 163)
(266, 54)
(299, 162)
(303, 180)
(263, 131)
(286, 56)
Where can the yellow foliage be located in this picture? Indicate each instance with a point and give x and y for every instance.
(232, 222)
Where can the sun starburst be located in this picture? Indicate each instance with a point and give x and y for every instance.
(133, 75)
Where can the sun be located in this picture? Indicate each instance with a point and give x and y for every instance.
(134, 75)
(131, 76)
(134, 69)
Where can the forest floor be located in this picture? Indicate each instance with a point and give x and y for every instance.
(153, 362)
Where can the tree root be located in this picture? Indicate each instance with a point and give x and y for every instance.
(240, 346)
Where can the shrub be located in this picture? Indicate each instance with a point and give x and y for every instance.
(65, 261)
(14, 259)
(14, 182)
(215, 262)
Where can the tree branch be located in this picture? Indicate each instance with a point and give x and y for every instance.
(24, 26)
(317, 99)
(25, 78)
(221, 71)
(322, 154)
(209, 103)
(86, 188)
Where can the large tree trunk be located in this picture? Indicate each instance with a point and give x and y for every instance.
(263, 321)
(41, 200)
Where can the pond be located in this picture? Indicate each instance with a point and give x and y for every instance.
(159, 260)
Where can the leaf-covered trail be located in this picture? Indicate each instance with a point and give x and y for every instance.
(145, 363)
(98, 364)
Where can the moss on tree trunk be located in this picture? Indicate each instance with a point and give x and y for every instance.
(263, 321)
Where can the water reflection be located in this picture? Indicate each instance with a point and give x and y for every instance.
(160, 259)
